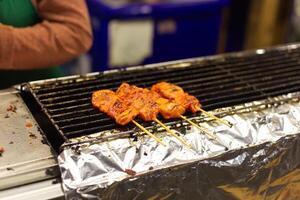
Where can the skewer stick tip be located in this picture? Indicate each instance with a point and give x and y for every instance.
(173, 134)
(211, 135)
(227, 123)
(148, 133)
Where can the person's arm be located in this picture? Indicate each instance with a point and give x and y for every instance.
(63, 34)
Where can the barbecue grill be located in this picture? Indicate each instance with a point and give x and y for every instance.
(63, 111)
(218, 81)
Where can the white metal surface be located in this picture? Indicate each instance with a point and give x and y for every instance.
(39, 191)
(26, 157)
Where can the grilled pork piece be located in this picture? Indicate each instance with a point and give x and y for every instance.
(169, 109)
(167, 90)
(108, 102)
(104, 99)
(150, 109)
(141, 99)
(177, 94)
(130, 101)
(150, 103)
(127, 115)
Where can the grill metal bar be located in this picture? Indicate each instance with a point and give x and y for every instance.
(138, 80)
(217, 82)
(242, 73)
(111, 78)
(290, 74)
(100, 82)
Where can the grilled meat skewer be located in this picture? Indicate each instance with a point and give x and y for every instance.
(123, 112)
(177, 94)
(189, 102)
(136, 99)
(108, 102)
(150, 103)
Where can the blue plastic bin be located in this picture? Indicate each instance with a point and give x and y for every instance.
(193, 28)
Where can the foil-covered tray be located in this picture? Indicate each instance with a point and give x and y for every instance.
(258, 158)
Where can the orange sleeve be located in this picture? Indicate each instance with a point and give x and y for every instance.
(63, 34)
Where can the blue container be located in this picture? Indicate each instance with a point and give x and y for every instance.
(180, 29)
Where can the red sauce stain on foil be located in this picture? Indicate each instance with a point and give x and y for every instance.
(130, 172)
(28, 124)
(11, 108)
(1, 150)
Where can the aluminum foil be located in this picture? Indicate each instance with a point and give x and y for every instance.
(258, 158)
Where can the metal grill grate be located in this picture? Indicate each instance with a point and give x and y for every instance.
(217, 82)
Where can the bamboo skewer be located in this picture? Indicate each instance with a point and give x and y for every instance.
(211, 135)
(216, 118)
(148, 133)
(199, 127)
(172, 133)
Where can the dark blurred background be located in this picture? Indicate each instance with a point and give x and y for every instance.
(137, 32)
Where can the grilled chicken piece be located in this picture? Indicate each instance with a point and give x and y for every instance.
(132, 95)
(150, 109)
(141, 99)
(155, 104)
(108, 102)
(169, 109)
(104, 99)
(127, 115)
(167, 90)
(128, 92)
(131, 101)
(150, 103)
(176, 93)
(189, 102)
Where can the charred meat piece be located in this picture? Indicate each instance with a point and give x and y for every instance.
(125, 90)
(141, 99)
(150, 103)
(150, 109)
(177, 94)
(132, 95)
(189, 102)
(108, 102)
(169, 109)
(127, 115)
(167, 90)
(130, 101)
(104, 99)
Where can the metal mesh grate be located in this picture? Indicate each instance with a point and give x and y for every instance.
(217, 82)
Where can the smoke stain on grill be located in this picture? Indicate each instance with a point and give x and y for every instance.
(76, 149)
(56, 181)
(53, 171)
(137, 150)
(32, 136)
(182, 130)
(135, 138)
(11, 108)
